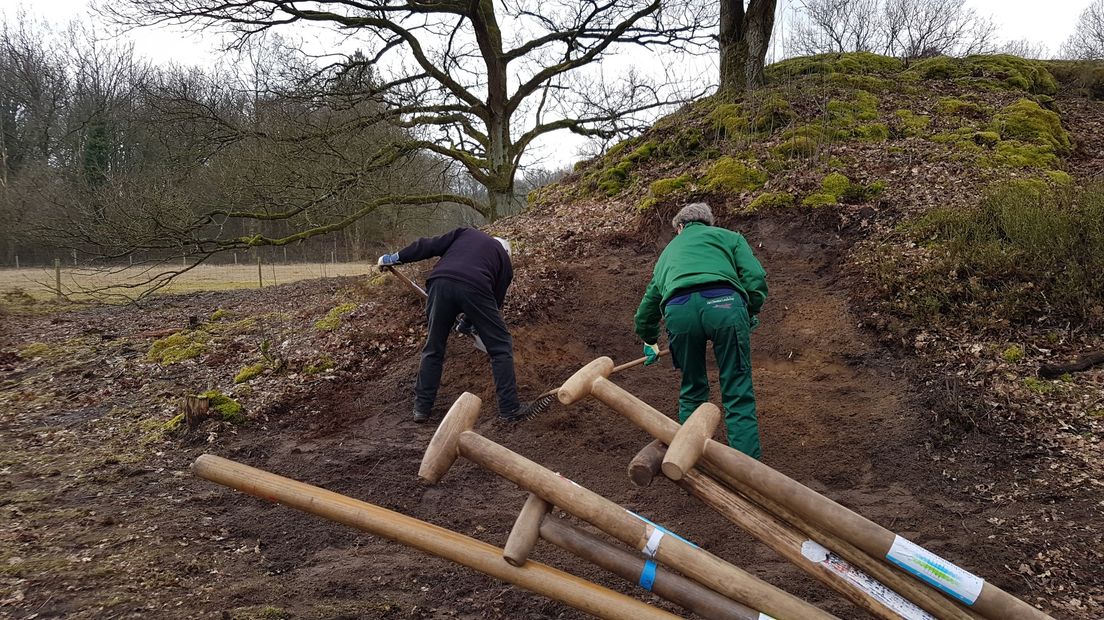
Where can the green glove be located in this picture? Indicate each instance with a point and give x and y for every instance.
(651, 352)
(754, 322)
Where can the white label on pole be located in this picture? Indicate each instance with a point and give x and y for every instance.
(652, 546)
(763, 616)
(942, 574)
(896, 603)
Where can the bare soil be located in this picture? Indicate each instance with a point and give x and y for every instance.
(98, 521)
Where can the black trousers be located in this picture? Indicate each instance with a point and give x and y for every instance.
(447, 299)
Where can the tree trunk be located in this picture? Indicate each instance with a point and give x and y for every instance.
(758, 25)
(744, 38)
(733, 51)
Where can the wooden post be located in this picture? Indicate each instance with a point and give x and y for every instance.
(285, 255)
(635, 569)
(235, 258)
(260, 276)
(568, 589)
(694, 562)
(526, 530)
(195, 410)
(984, 598)
(17, 261)
(57, 277)
(808, 555)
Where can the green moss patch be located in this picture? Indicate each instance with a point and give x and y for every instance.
(228, 409)
(731, 175)
(322, 364)
(332, 320)
(862, 106)
(853, 63)
(663, 189)
(221, 314)
(37, 349)
(250, 372)
(771, 113)
(730, 119)
(836, 188)
(771, 200)
(954, 106)
(1014, 353)
(1028, 122)
(909, 124)
(182, 345)
(1001, 71)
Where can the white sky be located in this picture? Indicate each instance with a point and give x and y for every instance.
(1049, 22)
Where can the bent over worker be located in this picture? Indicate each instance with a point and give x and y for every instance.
(470, 279)
(708, 286)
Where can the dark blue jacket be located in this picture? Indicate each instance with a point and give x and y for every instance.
(468, 255)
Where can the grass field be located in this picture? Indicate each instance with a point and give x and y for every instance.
(76, 281)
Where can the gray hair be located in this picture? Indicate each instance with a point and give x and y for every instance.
(694, 212)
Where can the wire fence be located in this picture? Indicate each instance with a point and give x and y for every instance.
(75, 281)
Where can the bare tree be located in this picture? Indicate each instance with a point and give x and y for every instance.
(744, 38)
(907, 28)
(444, 70)
(838, 26)
(1024, 48)
(1087, 40)
(918, 28)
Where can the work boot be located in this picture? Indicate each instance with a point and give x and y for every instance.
(521, 413)
(420, 416)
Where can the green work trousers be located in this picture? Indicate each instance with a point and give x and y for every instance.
(720, 316)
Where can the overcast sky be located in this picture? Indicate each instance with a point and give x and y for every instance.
(1048, 22)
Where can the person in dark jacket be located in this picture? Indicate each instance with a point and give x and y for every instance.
(708, 286)
(470, 279)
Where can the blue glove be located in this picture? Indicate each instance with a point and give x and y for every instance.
(754, 322)
(651, 352)
(388, 259)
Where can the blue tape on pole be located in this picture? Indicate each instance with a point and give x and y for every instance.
(647, 576)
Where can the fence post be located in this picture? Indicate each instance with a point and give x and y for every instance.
(260, 276)
(74, 257)
(17, 261)
(57, 277)
(235, 258)
(285, 254)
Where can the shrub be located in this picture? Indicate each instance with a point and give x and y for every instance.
(730, 175)
(1028, 251)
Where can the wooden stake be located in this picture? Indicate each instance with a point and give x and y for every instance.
(631, 567)
(874, 540)
(694, 562)
(57, 277)
(568, 589)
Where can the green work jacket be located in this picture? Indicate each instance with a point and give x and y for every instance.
(701, 254)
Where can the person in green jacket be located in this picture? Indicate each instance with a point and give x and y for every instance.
(708, 286)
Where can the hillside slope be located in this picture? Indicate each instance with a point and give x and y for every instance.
(925, 426)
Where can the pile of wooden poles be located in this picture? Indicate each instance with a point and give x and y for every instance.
(878, 571)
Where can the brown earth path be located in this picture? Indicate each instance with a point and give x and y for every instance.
(837, 414)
